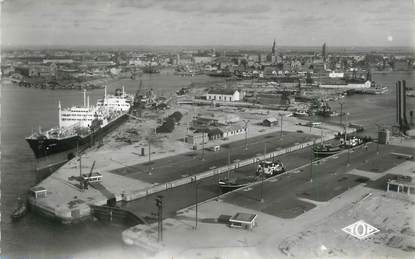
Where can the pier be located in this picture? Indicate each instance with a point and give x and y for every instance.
(69, 202)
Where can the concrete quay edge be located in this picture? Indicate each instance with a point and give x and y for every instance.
(83, 211)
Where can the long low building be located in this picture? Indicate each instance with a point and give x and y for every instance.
(227, 95)
(345, 84)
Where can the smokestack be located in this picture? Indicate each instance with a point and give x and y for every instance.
(87, 101)
(123, 92)
(105, 93)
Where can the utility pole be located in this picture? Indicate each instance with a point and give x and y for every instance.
(246, 134)
(347, 146)
(159, 204)
(196, 200)
(203, 146)
(79, 155)
(341, 113)
(265, 149)
(149, 151)
(377, 142)
(311, 162)
(229, 163)
(262, 187)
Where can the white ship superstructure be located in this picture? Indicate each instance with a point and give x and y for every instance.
(115, 102)
(80, 126)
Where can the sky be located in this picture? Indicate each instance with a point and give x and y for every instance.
(208, 22)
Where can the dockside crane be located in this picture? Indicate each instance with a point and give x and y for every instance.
(85, 180)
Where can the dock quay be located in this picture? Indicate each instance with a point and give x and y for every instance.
(64, 198)
(194, 101)
(300, 211)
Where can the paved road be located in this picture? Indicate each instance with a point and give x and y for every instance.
(281, 194)
(171, 168)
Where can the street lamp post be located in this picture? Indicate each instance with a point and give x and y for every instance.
(311, 162)
(347, 146)
(229, 163)
(281, 117)
(246, 134)
(203, 146)
(196, 201)
(149, 151)
(159, 204)
(265, 150)
(262, 188)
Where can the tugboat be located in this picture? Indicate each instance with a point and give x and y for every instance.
(20, 210)
(326, 111)
(323, 150)
(265, 168)
(269, 168)
(230, 184)
(352, 141)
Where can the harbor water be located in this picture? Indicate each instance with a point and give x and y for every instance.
(25, 109)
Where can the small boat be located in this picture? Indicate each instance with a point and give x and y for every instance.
(323, 150)
(352, 141)
(270, 168)
(230, 184)
(301, 114)
(20, 210)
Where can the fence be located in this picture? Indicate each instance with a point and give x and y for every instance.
(216, 171)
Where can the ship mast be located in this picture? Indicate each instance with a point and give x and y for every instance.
(59, 113)
(84, 97)
(105, 95)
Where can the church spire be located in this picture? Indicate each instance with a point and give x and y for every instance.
(273, 48)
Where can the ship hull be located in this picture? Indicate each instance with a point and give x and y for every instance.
(55, 151)
(326, 152)
(226, 185)
(224, 188)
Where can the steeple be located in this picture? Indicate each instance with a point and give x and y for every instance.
(323, 52)
(273, 48)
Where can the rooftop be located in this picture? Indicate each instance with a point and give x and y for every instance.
(243, 217)
(222, 91)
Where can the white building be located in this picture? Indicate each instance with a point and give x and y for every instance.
(227, 95)
(232, 130)
(334, 74)
(202, 59)
(348, 85)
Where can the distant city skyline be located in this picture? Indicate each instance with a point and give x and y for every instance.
(383, 23)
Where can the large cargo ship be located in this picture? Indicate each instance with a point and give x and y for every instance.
(79, 128)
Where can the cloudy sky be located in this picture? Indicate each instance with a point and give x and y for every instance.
(209, 22)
